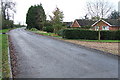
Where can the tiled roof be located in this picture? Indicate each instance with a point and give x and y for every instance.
(113, 22)
(83, 22)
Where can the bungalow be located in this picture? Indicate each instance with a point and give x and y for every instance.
(82, 22)
(110, 24)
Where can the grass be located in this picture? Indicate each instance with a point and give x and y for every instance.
(4, 30)
(47, 34)
(4, 68)
(0, 56)
(96, 40)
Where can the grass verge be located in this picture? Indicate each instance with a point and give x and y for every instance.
(4, 30)
(0, 56)
(4, 67)
(46, 34)
(111, 41)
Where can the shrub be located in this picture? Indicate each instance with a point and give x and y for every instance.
(60, 32)
(48, 29)
(33, 29)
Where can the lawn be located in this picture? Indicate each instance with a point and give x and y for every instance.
(4, 30)
(46, 34)
(95, 40)
(4, 65)
(0, 55)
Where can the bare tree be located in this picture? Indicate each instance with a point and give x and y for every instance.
(99, 8)
(8, 9)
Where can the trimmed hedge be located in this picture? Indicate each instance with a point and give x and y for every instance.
(110, 35)
(90, 35)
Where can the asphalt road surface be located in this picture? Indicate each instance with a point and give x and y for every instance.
(44, 57)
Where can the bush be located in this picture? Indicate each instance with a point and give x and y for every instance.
(48, 29)
(90, 35)
(7, 24)
(33, 29)
(60, 32)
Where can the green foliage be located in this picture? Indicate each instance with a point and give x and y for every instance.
(90, 35)
(57, 19)
(7, 24)
(60, 32)
(85, 27)
(19, 25)
(36, 17)
(48, 29)
(34, 29)
(110, 35)
(80, 34)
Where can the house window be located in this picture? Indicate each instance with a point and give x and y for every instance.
(105, 27)
(97, 28)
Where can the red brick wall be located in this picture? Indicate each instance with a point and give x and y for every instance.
(75, 24)
(115, 28)
(100, 24)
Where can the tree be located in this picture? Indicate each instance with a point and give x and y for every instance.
(8, 9)
(36, 17)
(114, 15)
(7, 12)
(99, 8)
(57, 19)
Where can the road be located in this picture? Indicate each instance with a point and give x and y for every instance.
(44, 57)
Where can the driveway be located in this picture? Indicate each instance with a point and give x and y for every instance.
(43, 57)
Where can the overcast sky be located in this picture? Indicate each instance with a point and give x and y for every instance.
(72, 9)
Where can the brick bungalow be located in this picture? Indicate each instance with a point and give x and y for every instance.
(81, 22)
(110, 24)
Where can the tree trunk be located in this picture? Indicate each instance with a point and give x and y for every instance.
(99, 35)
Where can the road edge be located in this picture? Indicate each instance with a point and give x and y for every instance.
(9, 58)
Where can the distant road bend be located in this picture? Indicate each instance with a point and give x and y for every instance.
(44, 57)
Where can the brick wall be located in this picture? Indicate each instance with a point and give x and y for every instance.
(100, 24)
(115, 28)
(75, 24)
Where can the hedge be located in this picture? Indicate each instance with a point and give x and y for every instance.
(90, 34)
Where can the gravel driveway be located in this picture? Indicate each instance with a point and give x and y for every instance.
(43, 57)
(103, 46)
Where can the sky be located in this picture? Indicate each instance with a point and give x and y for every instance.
(72, 9)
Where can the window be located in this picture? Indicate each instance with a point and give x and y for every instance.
(97, 28)
(105, 27)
